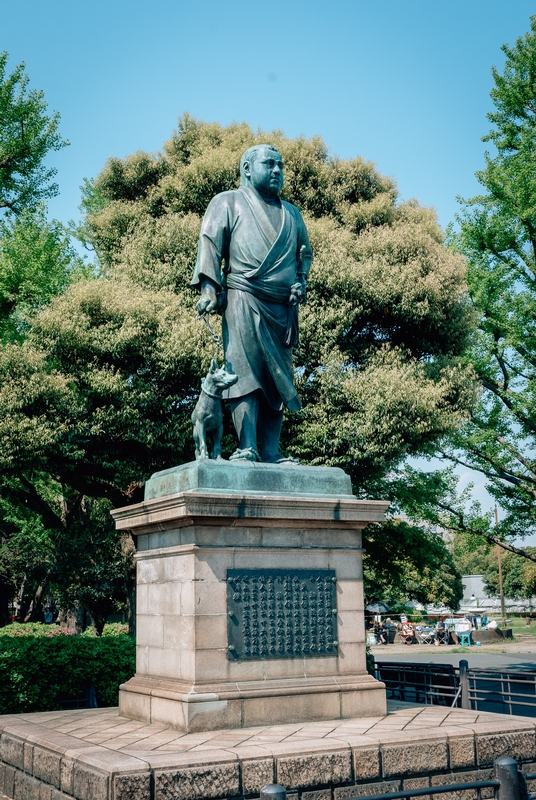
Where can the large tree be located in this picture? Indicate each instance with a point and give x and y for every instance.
(27, 135)
(497, 235)
(100, 393)
(37, 261)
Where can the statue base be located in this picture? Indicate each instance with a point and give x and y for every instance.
(249, 598)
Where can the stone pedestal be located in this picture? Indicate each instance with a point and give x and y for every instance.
(204, 522)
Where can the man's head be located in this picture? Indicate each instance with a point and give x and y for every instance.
(262, 167)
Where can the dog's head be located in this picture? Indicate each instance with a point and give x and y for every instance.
(220, 378)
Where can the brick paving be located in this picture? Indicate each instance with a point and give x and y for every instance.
(106, 728)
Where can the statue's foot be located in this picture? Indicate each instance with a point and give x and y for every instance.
(247, 454)
(279, 459)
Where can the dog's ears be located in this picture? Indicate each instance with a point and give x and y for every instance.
(213, 365)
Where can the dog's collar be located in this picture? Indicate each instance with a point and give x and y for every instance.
(210, 394)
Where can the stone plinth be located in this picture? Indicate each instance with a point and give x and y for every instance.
(198, 522)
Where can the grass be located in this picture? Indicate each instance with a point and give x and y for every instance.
(520, 627)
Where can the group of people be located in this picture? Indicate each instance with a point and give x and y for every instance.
(439, 636)
(381, 630)
(407, 631)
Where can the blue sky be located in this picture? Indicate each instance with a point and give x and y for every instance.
(404, 83)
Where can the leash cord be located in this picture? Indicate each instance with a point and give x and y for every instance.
(216, 338)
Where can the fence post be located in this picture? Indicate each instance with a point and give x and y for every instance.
(508, 776)
(464, 683)
(274, 791)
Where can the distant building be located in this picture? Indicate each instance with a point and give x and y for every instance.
(473, 588)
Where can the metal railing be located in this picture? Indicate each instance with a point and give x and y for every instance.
(479, 689)
(432, 684)
(508, 784)
(502, 692)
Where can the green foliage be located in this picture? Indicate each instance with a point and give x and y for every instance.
(471, 554)
(27, 135)
(37, 261)
(498, 237)
(412, 562)
(36, 672)
(47, 529)
(41, 631)
(93, 565)
(110, 629)
(519, 575)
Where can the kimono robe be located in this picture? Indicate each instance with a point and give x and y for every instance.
(260, 265)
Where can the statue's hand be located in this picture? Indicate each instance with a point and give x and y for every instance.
(297, 293)
(208, 300)
(205, 305)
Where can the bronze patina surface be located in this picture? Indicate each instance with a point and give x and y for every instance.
(253, 259)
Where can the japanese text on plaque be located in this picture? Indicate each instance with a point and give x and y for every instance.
(280, 613)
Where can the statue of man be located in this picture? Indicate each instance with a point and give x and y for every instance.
(253, 259)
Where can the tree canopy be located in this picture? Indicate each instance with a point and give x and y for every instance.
(497, 236)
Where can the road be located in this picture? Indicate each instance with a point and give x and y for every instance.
(436, 655)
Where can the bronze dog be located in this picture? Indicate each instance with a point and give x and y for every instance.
(207, 415)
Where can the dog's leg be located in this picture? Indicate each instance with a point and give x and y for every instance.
(217, 433)
(196, 440)
(200, 438)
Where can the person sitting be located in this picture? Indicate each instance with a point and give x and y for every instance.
(408, 632)
(440, 633)
(383, 634)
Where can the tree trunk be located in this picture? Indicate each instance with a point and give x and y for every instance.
(36, 609)
(6, 594)
(98, 621)
(74, 619)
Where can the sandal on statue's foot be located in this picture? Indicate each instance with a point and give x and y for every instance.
(247, 454)
(283, 460)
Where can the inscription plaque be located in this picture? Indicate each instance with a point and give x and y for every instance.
(281, 613)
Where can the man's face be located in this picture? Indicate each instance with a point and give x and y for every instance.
(266, 172)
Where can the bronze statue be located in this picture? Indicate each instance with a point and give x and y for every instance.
(253, 259)
(207, 416)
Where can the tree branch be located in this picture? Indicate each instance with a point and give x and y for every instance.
(98, 488)
(517, 455)
(32, 498)
(506, 475)
(509, 477)
(496, 389)
(462, 527)
(523, 352)
(502, 366)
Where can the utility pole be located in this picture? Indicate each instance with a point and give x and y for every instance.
(499, 556)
